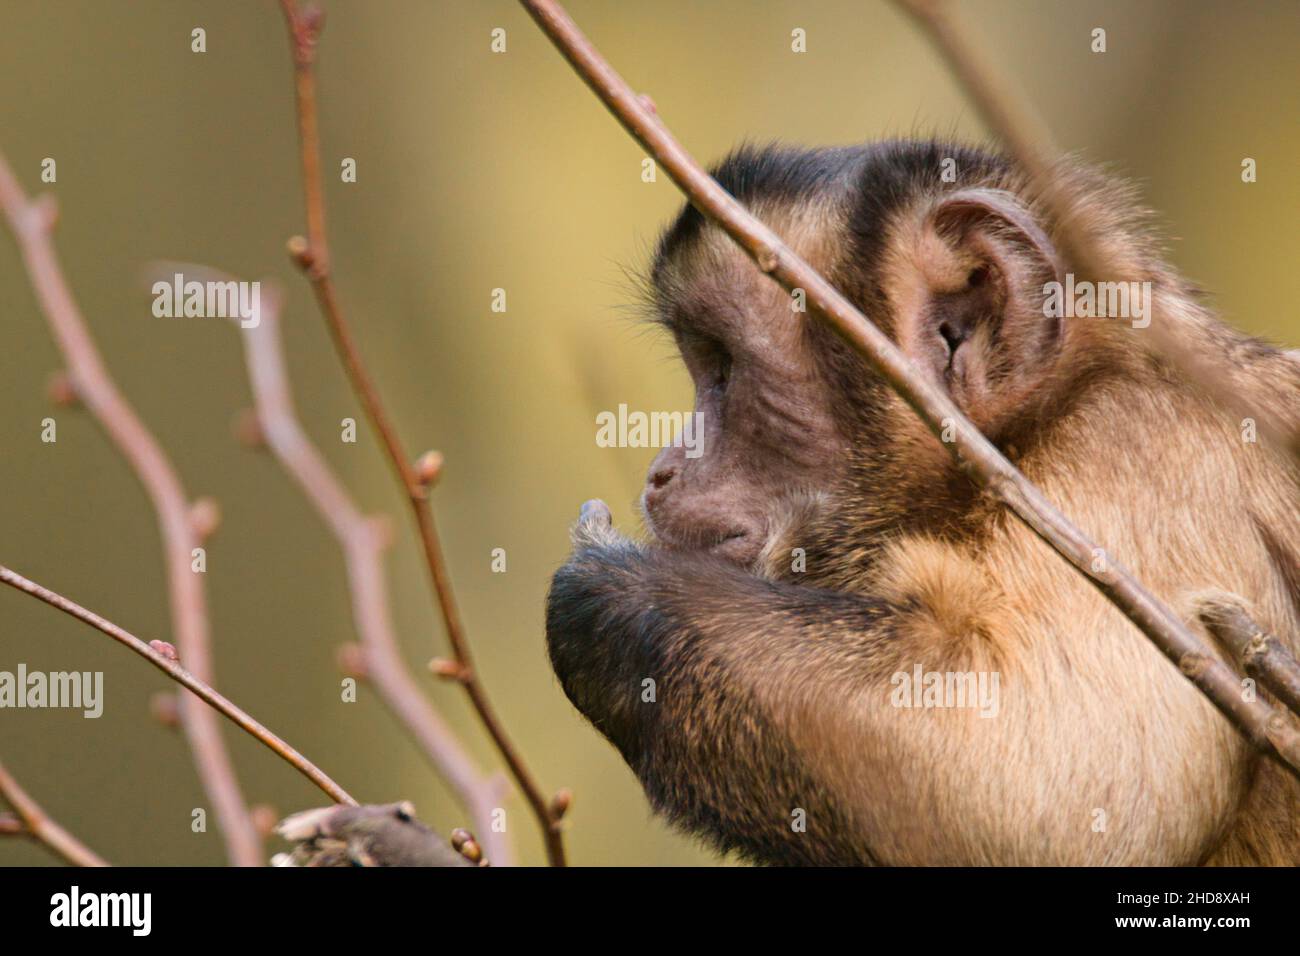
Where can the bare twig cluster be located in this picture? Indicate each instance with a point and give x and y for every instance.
(88, 381)
(1265, 727)
(363, 540)
(184, 525)
(312, 256)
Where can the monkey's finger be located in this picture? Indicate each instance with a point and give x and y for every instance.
(595, 512)
(595, 525)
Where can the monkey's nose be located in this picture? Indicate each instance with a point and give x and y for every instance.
(662, 476)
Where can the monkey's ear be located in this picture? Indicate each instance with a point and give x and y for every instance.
(972, 309)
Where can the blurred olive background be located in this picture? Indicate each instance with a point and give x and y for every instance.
(475, 171)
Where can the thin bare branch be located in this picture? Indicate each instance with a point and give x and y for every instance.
(312, 255)
(1029, 143)
(176, 672)
(32, 223)
(1261, 655)
(1268, 730)
(363, 540)
(37, 824)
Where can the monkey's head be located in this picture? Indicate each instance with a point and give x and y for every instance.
(937, 246)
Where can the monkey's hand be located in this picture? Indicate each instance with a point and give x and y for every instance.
(711, 681)
(605, 568)
(595, 527)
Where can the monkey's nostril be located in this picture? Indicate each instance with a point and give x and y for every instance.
(661, 477)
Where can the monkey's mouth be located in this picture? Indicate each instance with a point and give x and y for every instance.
(736, 545)
(723, 539)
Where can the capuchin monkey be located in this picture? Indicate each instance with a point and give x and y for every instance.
(833, 648)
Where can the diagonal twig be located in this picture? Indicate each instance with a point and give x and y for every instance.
(312, 255)
(185, 678)
(1268, 730)
(32, 223)
(33, 821)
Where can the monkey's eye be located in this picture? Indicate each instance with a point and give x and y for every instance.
(709, 361)
(719, 367)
